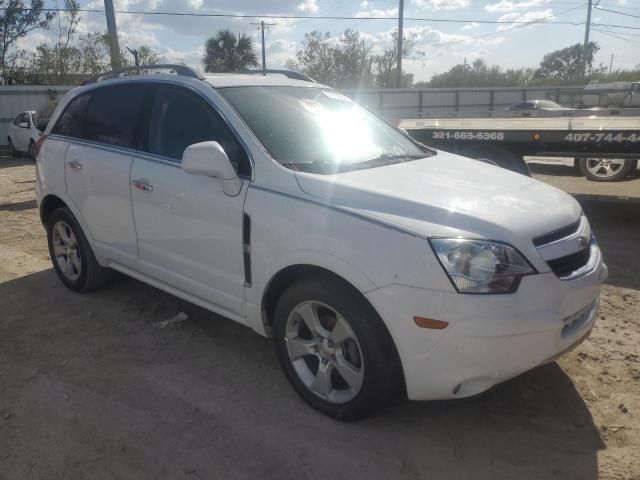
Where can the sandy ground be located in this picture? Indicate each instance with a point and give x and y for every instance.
(89, 388)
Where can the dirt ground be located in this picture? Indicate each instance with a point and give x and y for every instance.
(89, 388)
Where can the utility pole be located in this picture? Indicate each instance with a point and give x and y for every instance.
(114, 48)
(261, 26)
(611, 64)
(400, 31)
(587, 26)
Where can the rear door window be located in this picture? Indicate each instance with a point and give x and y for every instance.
(112, 115)
(71, 121)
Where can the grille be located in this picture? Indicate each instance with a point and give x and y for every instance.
(565, 266)
(556, 234)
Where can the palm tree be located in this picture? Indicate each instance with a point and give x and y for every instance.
(224, 52)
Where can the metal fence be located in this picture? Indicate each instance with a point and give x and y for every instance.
(459, 102)
(391, 103)
(14, 100)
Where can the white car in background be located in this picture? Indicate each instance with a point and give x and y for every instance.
(377, 264)
(23, 134)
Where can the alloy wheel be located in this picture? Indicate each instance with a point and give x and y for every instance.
(604, 167)
(66, 251)
(324, 352)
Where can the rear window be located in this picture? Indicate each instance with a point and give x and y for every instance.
(112, 115)
(72, 119)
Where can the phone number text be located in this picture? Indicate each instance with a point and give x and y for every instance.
(468, 135)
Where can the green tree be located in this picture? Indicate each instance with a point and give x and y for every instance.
(224, 52)
(565, 65)
(479, 74)
(386, 63)
(345, 63)
(17, 19)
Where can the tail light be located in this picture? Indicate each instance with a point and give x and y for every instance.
(38, 145)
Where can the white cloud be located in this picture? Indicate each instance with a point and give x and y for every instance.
(442, 4)
(308, 6)
(279, 51)
(473, 53)
(364, 4)
(470, 26)
(491, 41)
(504, 6)
(531, 16)
(388, 13)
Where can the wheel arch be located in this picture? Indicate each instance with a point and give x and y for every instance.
(48, 204)
(287, 276)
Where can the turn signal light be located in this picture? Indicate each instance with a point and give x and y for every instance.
(430, 323)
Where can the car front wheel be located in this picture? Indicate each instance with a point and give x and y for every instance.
(334, 349)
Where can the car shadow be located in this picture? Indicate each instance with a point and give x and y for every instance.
(7, 161)
(18, 206)
(557, 170)
(616, 224)
(92, 375)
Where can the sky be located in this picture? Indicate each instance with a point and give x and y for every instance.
(439, 44)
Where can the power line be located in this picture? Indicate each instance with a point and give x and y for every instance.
(598, 7)
(304, 17)
(616, 36)
(614, 26)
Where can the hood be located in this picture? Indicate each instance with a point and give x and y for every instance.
(449, 195)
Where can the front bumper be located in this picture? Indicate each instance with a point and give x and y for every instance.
(490, 338)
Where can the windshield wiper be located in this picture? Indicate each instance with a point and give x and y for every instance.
(382, 160)
(328, 167)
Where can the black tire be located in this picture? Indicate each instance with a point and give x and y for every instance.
(91, 275)
(12, 149)
(588, 165)
(382, 372)
(32, 150)
(499, 156)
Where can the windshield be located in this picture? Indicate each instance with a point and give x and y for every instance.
(319, 130)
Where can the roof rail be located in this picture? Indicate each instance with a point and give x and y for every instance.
(145, 69)
(287, 73)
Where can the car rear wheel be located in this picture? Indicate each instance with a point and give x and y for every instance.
(12, 149)
(606, 169)
(71, 255)
(32, 150)
(334, 349)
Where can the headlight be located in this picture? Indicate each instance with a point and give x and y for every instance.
(481, 266)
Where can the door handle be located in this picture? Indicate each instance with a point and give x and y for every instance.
(142, 185)
(74, 165)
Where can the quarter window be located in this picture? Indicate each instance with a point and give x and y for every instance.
(112, 115)
(179, 119)
(71, 121)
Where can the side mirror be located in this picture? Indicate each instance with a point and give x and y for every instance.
(23, 125)
(210, 159)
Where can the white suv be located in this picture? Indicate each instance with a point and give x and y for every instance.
(379, 265)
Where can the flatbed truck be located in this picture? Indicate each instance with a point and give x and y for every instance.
(605, 148)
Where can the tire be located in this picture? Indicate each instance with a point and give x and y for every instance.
(498, 156)
(606, 169)
(12, 149)
(32, 150)
(363, 349)
(71, 255)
